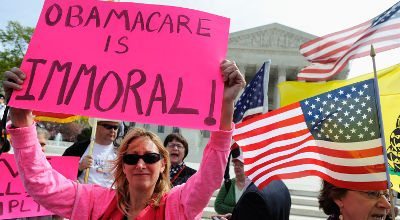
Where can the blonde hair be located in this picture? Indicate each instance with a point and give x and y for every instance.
(163, 184)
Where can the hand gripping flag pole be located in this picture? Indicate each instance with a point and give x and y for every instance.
(379, 110)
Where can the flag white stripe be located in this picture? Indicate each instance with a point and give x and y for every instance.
(369, 177)
(320, 66)
(273, 133)
(275, 144)
(270, 120)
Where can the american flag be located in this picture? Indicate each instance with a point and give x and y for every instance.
(330, 54)
(334, 135)
(254, 99)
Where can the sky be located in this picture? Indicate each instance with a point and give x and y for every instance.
(317, 17)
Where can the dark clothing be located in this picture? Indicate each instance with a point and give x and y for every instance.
(182, 175)
(77, 150)
(271, 203)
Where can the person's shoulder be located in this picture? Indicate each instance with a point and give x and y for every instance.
(84, 143)
(190, 170)
(276, 186)
(252, 188)
(76, 148)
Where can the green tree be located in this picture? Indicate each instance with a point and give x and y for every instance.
(14, 43)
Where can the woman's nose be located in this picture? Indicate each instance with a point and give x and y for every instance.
(140, 164)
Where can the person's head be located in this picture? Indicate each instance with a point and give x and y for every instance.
(142, 165)
(2, 99)
(237, 161)
(106, 131)
(84, 134)
(177, 147)
(353, 204)
(43, 135)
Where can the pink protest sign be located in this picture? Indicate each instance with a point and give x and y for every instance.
(14, 201)
(126, 61)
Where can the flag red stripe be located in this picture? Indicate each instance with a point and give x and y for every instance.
(269, 114)
(281, 137)
(314, 149)
(328, 57)
(265, 129)
(377, 185)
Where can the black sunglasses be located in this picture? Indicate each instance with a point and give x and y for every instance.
(148, 158)
(109, 127)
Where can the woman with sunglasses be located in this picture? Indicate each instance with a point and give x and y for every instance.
(345, 204)
(141, 169)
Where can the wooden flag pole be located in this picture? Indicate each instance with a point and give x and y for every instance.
(378, 106)
(91, 146)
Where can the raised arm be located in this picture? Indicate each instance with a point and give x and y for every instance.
(194, 196)
(49, 188)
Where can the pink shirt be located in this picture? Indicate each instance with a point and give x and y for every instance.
(84, 201)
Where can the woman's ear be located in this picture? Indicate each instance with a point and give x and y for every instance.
(123, 168)
(339, 202)
(163, 162)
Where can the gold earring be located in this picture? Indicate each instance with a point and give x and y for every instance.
(340, 217)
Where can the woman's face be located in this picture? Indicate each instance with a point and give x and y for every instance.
(363, 205)
(143, 176)
(176, 152)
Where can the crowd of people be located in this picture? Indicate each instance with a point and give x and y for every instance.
(145, 178)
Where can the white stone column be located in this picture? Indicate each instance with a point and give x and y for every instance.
(281, 78)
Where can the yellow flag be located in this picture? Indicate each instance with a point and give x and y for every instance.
(389, 86)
